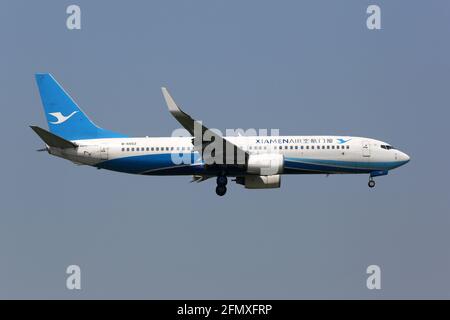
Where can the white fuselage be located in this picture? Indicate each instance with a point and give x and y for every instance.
(302, 154)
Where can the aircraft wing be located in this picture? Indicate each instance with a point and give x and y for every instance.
(229, 154)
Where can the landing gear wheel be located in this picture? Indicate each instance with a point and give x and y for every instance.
(222, 180)
(371, 183)
(221, 190)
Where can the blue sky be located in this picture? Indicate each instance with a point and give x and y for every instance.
(304, 67)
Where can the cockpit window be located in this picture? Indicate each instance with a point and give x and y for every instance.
(387, 147)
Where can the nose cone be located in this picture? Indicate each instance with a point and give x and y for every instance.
(403, 157)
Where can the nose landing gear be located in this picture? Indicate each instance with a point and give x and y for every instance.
(377, 173)
(221, 188)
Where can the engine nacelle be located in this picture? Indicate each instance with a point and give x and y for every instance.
(260, 182)
(265, 164)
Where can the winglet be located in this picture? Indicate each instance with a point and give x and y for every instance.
(190, 124)
(173, 108)
(183, 118)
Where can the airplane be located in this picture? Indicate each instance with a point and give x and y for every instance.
(256, 162)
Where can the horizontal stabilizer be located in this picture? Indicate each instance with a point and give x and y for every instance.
(52, 139)
(199, 178)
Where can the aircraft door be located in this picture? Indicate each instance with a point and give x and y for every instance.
(103, 153)
(366, 149)
(97, 152)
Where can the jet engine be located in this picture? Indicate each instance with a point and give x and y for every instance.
(260, 182)
(265, 164)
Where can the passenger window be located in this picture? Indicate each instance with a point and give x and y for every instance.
(281, 147)
(123, 149)
(328, 147)
(348, 147)
(332, 147)
(157, 148)
(153, 149)
(302, 147)
(312, 147)
(292, 147)
(307, 147)
(171, 149)
(323, 147)
(296, 147)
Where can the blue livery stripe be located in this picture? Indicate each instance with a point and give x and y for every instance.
(154, 164)
(339, 166)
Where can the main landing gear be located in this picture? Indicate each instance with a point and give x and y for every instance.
(221, 188)
(371, 182)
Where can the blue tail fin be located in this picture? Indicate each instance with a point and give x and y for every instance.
(64, 117)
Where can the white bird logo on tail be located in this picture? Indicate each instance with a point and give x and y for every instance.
(61, 118)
